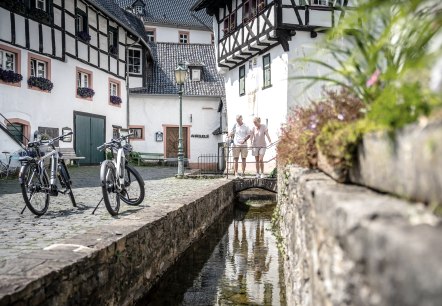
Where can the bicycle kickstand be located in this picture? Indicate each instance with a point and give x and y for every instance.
(95, 206)
(23, 210)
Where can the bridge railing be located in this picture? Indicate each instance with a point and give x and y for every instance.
(269, 156)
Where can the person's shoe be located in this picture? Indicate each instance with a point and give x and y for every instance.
(242, 176)
(237, 176)
(262, 175)
(258, 175)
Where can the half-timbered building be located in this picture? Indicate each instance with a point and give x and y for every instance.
(258, 42)
(67, 64)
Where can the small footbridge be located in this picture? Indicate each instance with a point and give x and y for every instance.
(270, 184)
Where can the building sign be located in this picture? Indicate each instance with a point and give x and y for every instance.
(199, 136)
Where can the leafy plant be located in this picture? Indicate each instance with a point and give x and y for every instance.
(113, 50)
(297, 143)
(386, 61)
(10, 76)
(85, 92)
(42, 83)
(84, 36)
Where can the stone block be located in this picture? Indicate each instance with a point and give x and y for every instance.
(407, 164)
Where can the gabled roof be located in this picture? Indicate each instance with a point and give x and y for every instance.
(172, 12)
(128, 21)
(166, 56)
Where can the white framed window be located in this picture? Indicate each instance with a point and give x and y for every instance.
(196, 75)
(134, 58)
(40, 4)
(139, 10)
(113, 89)
(150, 35)
(267, 70)
(7, 60)
(82, 79)
(184, 37)
(242, 80)
(39, 68)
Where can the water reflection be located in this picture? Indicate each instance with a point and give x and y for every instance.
(236, 263)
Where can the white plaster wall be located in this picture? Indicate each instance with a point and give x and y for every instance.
(169, 34)
(153, 112)
(8, 145)
(56, 109)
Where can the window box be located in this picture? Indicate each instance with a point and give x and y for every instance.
(84, 36)
(10, 76)
(42, 83)
(85, 92)
(261, 6)
(115, 100)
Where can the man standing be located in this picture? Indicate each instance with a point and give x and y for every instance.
(240, 133)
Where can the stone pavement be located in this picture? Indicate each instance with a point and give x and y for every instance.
(25, 233)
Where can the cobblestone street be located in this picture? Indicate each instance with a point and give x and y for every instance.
(26, 232)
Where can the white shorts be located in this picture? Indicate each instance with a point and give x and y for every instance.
(258, 151)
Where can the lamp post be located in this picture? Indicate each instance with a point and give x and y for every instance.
(180, 76)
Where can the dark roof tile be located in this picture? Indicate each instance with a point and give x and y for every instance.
(172, 12)
(166, 57)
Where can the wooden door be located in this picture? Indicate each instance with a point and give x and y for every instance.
(89, 134)
(172, 136)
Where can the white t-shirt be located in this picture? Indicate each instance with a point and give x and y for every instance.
(240, 132)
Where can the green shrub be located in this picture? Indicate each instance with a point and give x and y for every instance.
(297, 144)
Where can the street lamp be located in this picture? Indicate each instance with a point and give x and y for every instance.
(180, 77)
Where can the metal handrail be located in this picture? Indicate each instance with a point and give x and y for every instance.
(230, 148)
(9, 133)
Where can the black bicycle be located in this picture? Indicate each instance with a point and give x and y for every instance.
(37, 187)
(119, 180)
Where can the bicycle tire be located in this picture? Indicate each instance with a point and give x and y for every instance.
(128, 196)
(30, 182)
(109, 188)
(64, 179)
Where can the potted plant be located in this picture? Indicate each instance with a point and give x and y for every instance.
(84, 36)
(85, 92)
(113, 50)
(10, 76)
(42, 83)
(115, 100)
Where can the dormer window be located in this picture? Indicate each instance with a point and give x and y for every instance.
(138, 7)
(195, 74)
(139, 10)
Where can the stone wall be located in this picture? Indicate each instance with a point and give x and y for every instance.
(114, 265)
(347, 245)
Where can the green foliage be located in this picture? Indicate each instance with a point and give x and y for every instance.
(297, 144)
(381, 52)
(339, 141)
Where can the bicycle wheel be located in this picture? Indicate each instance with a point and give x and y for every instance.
(66, 182)
(111, 196)
(3, 171)
(35, 189)
(133, 193)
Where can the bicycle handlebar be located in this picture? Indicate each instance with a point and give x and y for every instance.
(114, 142)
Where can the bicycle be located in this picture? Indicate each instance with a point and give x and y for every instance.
(118, 177)
(37, 187)
(6, 168)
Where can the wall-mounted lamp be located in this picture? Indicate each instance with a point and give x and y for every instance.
(190, 117)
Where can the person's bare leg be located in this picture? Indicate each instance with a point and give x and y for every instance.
(243, 166)
(261, 163)
(257, 164)
(235, 166)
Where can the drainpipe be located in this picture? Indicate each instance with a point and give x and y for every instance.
(127, 80)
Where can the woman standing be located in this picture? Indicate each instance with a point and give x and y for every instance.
(259, 132)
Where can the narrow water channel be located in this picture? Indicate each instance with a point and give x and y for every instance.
(235, 263)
